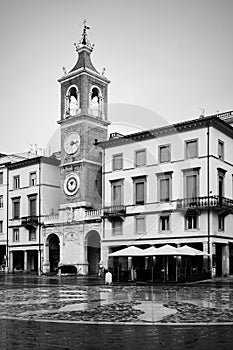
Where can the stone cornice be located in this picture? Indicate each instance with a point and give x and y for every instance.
(86, 71)
(32, 161)
(83, 118)
(212, 121)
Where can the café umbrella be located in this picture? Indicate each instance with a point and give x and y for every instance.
(167, 250)
(128, 252)
(151, 251)
(186, 250)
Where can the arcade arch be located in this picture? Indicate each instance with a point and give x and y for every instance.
(93, 251)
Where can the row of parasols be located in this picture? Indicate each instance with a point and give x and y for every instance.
(166, 250)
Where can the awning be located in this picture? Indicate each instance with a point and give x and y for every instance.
(167, 250)
(129, 251)
(151, 251)
(186, 250)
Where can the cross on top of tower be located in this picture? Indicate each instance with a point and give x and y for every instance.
(84, 41)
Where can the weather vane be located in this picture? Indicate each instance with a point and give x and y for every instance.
(84, 40)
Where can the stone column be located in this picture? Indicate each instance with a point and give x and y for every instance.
(104, 256)
(25, 267)
(206, 258)
(225, 259)
(61, 246)
(46, 263)
(213, 259)
(10, 262)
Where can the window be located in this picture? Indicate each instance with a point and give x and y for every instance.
(117, 162)
(164, 154)
(191, 183)
(32, 205)
(164, 187)
(32, 179)
(221, 180)
(1, 178)
(32, 234)
(16, 182)
(15, 235)
(1, 226)
(220, 149)
(1, 201)
(191, 186)
(164, 223)
(140, 224)
(191, 221)
(164, 190)
(16, 208)
(221, 222)
(117, 226)
(117, 192)
(140, 190)
(140, 158)
(191, 150)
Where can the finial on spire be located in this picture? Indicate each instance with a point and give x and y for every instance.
(84, 33)
(84, 41)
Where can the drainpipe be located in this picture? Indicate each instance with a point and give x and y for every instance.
(208, 194)
(7, 220)
(39, 270)
(103, 190)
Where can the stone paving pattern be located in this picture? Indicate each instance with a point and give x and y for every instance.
(117, 303)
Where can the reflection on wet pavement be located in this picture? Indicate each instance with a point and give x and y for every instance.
(131, 303)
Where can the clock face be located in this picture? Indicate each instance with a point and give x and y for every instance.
(72, 142)
(71, 184)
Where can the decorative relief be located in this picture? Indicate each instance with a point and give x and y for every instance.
(70, 214)
(72, 237)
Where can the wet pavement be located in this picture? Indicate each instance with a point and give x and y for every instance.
(194, 315)
(69, 299)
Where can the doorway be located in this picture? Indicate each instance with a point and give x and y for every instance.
(54, 252)
(93, 252)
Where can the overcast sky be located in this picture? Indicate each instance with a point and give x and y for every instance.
(169, 58)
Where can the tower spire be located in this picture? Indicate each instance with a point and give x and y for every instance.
(84, 40)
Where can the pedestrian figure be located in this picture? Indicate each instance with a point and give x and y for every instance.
(108, 278)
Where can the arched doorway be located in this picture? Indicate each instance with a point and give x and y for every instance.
(54, 252)
(93, 252)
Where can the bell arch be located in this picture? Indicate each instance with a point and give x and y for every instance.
(72, 102)
(93, 252)
(96, 101)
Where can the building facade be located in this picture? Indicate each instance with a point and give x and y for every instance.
(34, 193)
(172, 185)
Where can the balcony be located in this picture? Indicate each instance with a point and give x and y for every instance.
(201, 203)
(115, 212)
(30, 222)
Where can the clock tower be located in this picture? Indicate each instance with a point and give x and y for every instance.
(83, 121)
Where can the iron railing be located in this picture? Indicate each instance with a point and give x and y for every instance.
(205, 202)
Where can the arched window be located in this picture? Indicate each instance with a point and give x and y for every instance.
(96, 102)
(72, 101)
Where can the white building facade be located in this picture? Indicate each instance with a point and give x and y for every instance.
(33, 194)
(172, 185)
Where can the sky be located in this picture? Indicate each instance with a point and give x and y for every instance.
(167, 61)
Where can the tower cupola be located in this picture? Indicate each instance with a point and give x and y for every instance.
(84, 89)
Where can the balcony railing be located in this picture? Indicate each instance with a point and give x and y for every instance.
(115, 211)
(30, 221)
(214, 202)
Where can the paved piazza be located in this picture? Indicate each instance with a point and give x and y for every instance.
(72, 299)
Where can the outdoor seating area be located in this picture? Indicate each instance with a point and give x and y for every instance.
(164, 264)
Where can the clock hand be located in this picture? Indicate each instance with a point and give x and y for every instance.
(73, 142)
